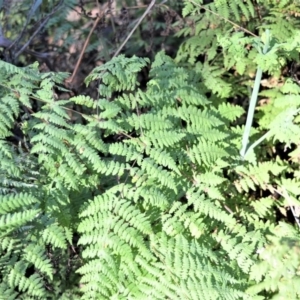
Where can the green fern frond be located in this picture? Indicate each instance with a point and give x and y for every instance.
(12, 221)
(158, 174)
(35, 255)
(27, 72)
(257, 175)
(32, 285)
(119, 73)
(279, 260)
(163, 158)
(10, 203)
(56, 236)
(205, 153)
(233, 8)
(161, 138)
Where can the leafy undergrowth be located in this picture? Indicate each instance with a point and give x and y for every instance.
(134, 184)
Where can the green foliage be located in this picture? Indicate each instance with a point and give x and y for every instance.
(153, 192)
(231, 25)
(141, 193)
(278, 269)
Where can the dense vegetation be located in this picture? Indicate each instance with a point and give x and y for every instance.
(149, 150)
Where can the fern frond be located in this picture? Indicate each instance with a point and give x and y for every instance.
(279, 260)
(56, 235)
(35, 255)
(33, 285)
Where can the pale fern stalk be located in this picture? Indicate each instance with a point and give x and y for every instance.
(253, 101)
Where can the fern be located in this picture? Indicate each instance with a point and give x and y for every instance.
(142, 193)
(112, 245)
(279, 260)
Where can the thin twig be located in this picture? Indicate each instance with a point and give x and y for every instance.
(134, 28)
(55, 9)
(70, 79)
(225, 19)
(132, 31)
(19, 38)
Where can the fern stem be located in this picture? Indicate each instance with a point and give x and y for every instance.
(253, 100)
(256, 143)
(250, 114)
